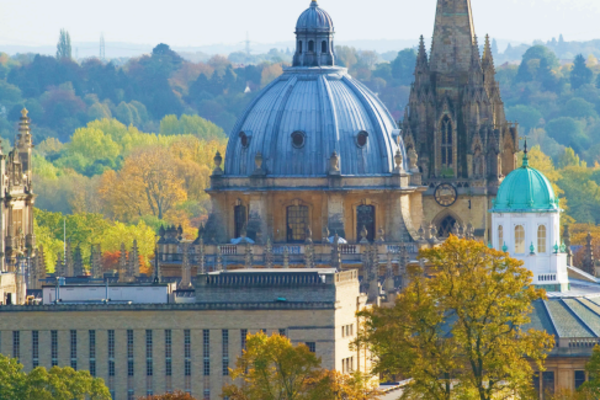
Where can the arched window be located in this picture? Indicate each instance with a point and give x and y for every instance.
(445, 228)
(500, 237)
(541, 239)
(300, 46)
(519, 239)
(297, 223)
(447, 154)
(365, 218)
(239, 219)
(311, 46)
(324, 46)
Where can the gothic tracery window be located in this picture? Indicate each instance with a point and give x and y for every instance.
(297, 223)
(365, 218)
(447, 153)
(445, 228)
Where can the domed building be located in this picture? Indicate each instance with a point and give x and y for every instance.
(526, 222)
(315, 153)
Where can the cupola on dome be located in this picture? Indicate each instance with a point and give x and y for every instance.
(314, 18)
(525, 190)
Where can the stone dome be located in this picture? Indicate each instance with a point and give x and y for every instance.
(298, 121)
(314, 18)
(525, 190)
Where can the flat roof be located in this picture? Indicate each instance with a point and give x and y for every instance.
(276, 270)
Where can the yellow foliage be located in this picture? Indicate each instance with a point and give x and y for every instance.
(270, 73)
(148, 183)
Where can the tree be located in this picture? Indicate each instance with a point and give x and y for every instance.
(580, 74)
(565, 130)
(403, 67)
(148, 183)
(579, 108)
(527, 116)
(56, 384)
(177, 395)
(63, 48)
(272, 369)
(460, 332)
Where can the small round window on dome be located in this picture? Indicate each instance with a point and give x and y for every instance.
(244, 139)
(362, 139)
(298, 139)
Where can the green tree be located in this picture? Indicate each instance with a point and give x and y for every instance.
(56, 384)
(63, 48)
(527, 116)
(460, 332)
(580, 74)
(579, 108)
(569, 159)
(537, 53)
(403, 67)
(566, 131)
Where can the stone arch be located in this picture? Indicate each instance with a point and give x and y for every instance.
(444, 222)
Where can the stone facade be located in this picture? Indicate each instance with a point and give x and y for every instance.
(227, 307)
(455, 120)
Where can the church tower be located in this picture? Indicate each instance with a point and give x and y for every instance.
(455, 121)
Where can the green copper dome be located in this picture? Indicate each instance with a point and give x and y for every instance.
(525, 190)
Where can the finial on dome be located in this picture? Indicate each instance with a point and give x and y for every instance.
(24, 112)
(525, 157)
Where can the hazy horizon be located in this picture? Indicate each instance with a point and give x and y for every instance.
(202, 23)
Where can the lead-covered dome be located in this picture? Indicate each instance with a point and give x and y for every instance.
(314, 18)
(525, 190)
(304, 116)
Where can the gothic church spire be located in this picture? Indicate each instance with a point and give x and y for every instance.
(452, 37)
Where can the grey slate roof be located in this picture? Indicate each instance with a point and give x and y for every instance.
(331, 109)
(314, 18)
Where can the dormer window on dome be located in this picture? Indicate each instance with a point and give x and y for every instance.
(244, 140)
(362, 139)
(298, 139)
(315, 29)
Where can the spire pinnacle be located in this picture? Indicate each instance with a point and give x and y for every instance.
(488, 56)
(452, 37)
(422, 55)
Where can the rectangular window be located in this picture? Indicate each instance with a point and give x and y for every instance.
(35, 348)
(16, 344)
(187, 343)
(206, 351)
(54, 347)
(225, 336)
(168, 353)
(92, 353)
(311, 346)
(547, 384)
(73, 335)
(130, 364)
(111, 353)
(579, 378)
(206, 394)
(149, 365)
(343, 331)
(130, 394)
(351, 329)
(244, 337)
(282, 332)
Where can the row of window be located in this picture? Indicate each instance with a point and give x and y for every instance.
(298, 221)
(520, 245)
(299, 139)
(311, 46)
(348, 365)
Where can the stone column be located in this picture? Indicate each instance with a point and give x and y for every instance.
(336, 215)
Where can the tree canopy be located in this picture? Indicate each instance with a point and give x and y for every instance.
(460, 330)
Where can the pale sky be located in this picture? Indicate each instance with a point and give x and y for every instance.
(205, 22)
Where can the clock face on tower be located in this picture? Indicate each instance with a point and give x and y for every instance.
(445, 195)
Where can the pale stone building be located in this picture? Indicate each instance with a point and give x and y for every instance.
(141, 349)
